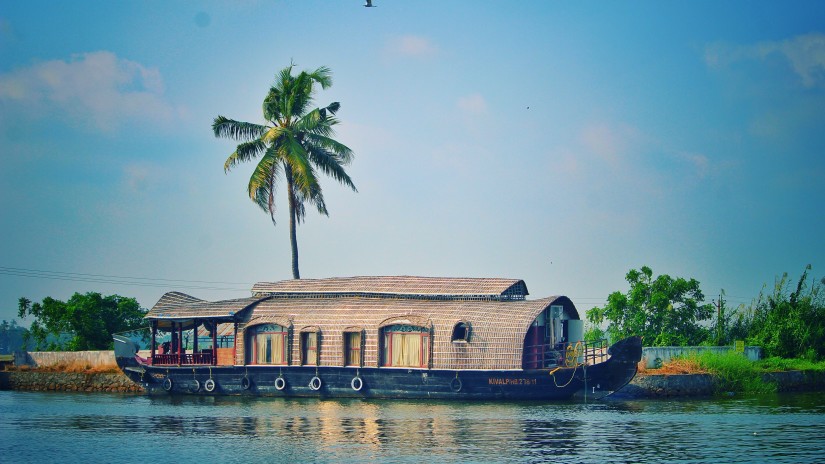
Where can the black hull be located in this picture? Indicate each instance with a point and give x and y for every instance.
(596, 381)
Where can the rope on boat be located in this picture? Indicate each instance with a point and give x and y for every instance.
(553, 373)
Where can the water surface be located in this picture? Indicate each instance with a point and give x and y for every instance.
(75, 427)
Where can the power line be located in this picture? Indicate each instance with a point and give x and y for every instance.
(121, 280)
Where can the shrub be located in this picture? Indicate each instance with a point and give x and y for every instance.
(735, 372)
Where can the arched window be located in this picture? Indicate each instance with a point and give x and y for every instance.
(267, 344)
(461, 332)
(405, 346)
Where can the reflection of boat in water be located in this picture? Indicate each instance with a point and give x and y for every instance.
(377, 337)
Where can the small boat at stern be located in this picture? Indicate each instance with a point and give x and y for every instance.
(376, 337)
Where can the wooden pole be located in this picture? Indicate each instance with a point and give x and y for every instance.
(215, 343)
(180, 343)
(195, 336)
(235, 346)
(154, 340)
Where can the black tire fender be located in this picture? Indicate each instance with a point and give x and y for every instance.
(456, 385)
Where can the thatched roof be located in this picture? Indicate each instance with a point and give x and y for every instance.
(497, 328)
(495, 311)
(400, 286)
(180, 306)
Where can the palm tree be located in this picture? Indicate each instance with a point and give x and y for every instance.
(292, 146)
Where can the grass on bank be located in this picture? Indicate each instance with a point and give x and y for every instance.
(74, 367)
(735, 372)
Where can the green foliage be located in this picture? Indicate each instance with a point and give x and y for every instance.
(788, 323)
(594, 333)
(89, 320)
(664, 311)
(12, 337)
(735, 372)
(293, 146)
(776, 364)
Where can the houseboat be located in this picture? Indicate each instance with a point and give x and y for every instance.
(377, 337)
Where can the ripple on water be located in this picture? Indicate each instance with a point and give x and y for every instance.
(108, 428)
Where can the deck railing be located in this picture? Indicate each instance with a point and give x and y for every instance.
(565, 354)
(185, 358)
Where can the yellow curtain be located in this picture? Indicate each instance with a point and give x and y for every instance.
(278, 354)
(264, 342)
(406, 349)
(353, 348)
(311, 348)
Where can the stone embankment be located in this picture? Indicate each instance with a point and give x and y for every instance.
(68, 381)
(692, 385)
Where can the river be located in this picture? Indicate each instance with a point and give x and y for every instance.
(111, 428)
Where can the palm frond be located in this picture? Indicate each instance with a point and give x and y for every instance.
(323, 76)
(237, 130)
(303, 176)
(314, 197)
(329, 164)
(272, 136)
(272, 105)
(244, 152)
(263, 182)
(341, 152)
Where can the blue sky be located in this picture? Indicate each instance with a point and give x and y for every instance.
(562, 143)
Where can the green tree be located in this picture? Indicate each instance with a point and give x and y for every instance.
(790, 323)
(88, 320)
(663, 311)
(292, 146)
(11, 337)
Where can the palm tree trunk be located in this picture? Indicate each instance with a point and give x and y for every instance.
(293, 236)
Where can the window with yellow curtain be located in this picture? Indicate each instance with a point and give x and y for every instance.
(310, 342)
(353, 348)
(406, 346)
(269, 344)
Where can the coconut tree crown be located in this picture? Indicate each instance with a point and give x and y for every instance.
(295, 143)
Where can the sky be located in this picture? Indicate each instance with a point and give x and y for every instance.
(562, 143)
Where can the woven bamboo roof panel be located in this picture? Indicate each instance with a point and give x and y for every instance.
(496, 341)
(400, 286)
(180, 306)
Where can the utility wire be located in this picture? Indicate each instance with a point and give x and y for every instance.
(203, 284)
(121, 280)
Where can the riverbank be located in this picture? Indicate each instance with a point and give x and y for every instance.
(706, 384)
(643, 386)
(33, 380)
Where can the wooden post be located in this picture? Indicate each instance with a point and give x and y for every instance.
(235, 347)
(215, 343)
(154, 332)
(180, 343)
(195, 337)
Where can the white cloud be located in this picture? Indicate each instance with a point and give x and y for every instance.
(473, 104)
(412, 45)
(609, 142)
(805, 54)
(97, 90)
